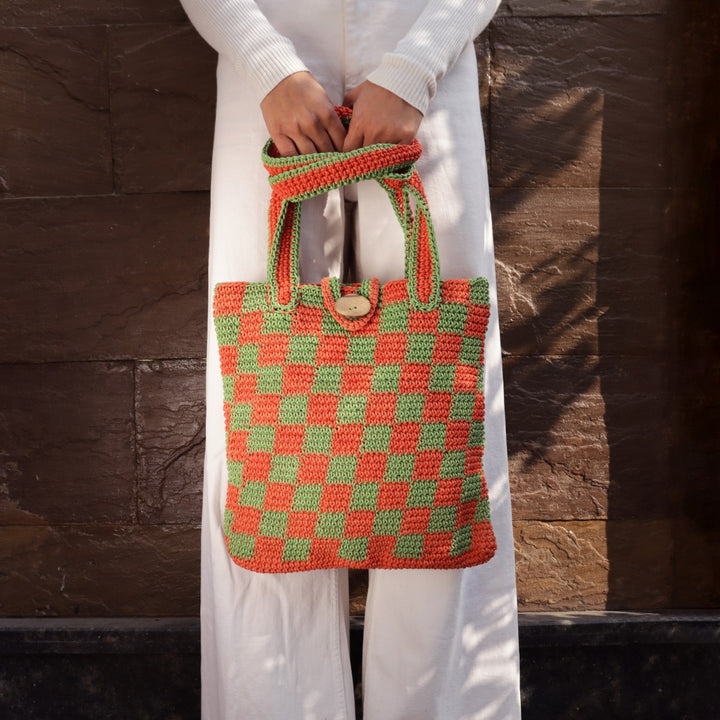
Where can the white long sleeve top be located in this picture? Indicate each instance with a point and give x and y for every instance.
(239, 30)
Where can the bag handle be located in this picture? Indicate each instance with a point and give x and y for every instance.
(295, 179)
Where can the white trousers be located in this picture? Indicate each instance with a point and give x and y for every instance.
(438, 644)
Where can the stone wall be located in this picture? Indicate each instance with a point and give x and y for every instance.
(106, 113)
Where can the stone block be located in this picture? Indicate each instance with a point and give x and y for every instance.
(170, 407)
(696, 557)
(38, 13)
(54, 116)
(103, 278)
(561, 566)
(579, 102)
(568, 8)
(587, 438)
(557, 440)
(583, 271)
(641, 564)
(162, 81)
(590, 565)
(66, 443)
(99, 571)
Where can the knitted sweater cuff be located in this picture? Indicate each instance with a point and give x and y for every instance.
(405, 79)
(268, 64)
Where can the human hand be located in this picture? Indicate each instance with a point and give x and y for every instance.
(300, 117)
(379, 116)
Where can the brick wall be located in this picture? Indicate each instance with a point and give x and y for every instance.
(106, 114)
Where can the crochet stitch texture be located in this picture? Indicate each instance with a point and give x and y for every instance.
(354, 442)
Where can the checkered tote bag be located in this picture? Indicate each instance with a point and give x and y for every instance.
(354, 412)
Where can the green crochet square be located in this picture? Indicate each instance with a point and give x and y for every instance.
(353, 549)
(472, 487)
(399, 468)
(376, 438)
(311, 296)
(419, 348)
(482, 511)
(422, 494)
(477, 435)
(241, 545)
(327, 379)
(409, 546)
(351, 409)
(463, 406)
(409, 408)
(240, 416)
(453, 465)
(253, 495)
(273, 523)
(387, 522)
(432, 436)
(470, 350)
(261, 438)
(296, 549)
(453, 317)
(269, 380)
(461, 540)
(227, 329)
(442, 377)
(276, 322)
(364, 496)
(318, 439)
(284, 468)
(307, 497)
(442, 519)
(394, 318)
(293, 409)
(341, 470)
(329, 325)
(302, 349)
(228, 382)
(235, 472)
(248, 358)
(479, 291)
(254, 298)
(228, 517)
(386, 378)
(330, 525)
(361, 351)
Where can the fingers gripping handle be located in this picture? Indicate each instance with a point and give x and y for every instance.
(298, 178)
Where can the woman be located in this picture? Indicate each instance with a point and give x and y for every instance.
(438, 644)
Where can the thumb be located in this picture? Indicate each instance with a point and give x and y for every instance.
(351, 96)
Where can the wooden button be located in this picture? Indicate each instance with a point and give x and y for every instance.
(352, 306)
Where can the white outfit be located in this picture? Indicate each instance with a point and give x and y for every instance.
(438, 644)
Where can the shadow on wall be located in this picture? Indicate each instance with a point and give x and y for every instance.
(588, 291)
(694, 229)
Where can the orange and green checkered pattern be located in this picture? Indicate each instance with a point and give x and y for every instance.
(354, 442)
(355, 448)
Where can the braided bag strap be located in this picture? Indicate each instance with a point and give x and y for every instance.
(295, 179)
(301, 177)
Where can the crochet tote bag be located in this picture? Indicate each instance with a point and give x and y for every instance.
(354, 412)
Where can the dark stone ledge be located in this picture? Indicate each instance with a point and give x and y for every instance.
(99, 636)
(182, 635)
(639, 666)
(618, 628)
